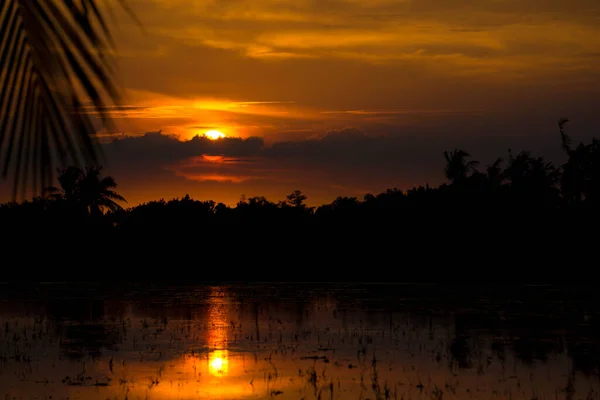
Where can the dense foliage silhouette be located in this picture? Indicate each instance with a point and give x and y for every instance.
(525, 210)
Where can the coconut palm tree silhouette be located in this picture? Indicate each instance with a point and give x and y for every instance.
(86, 190)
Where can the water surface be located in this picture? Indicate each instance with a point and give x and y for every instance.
(298, 341)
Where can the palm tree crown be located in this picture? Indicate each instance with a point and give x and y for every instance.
(457, 167)
(86, 190)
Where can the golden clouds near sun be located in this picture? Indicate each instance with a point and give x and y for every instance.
(214, 134)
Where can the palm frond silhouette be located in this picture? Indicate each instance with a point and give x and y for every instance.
(57, 85)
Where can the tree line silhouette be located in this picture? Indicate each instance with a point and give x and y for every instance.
(51, 102)
(523, 182)
(523, 212)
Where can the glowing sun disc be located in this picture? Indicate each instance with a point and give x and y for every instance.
(213, 134)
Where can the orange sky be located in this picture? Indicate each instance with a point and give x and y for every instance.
(346, 96)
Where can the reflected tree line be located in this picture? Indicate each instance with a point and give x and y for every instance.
(522, 181)
(530, 338)
(532, 331)
(530, 323)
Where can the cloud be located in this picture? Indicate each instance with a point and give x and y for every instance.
(340, 162)
(93, 109)
(206, 168)
(156, 148)
(393, 112)
(287, 70)
(377, 31)
(412, 78)
(335, 55)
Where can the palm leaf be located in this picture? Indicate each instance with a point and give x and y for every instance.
(112, 195)
(56, 86)
(565, 139)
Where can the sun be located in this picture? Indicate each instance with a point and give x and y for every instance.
(214, 134)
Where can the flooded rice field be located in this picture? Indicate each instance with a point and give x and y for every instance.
(298, 341)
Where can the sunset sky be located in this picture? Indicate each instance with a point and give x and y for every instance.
(342, 97)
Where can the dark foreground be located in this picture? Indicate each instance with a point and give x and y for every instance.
(455, 247)
(291, 341)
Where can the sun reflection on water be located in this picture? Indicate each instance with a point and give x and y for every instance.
(217, 351)
(218, 363)
(217, 340)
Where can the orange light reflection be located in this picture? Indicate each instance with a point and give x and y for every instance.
(218, 362)
(212, 158)
(217, 340)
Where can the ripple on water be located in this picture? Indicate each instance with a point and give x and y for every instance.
(295, 341)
